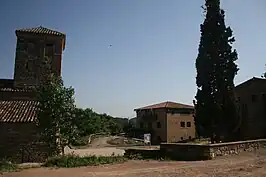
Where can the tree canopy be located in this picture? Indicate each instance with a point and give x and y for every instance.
(216, 70)
(55, 114)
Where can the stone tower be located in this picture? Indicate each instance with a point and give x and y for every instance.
(38, 54)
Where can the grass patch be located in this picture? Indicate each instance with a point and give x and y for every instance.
(70, 161)
(140, 156)
(137, 154)
(6, 166)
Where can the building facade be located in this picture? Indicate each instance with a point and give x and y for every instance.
(38, 54)
(251, 99)
(167, 122)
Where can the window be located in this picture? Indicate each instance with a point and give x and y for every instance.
(49, 50)
(182, 124)
(185, 113)
(31, 48)
(254, 98)
(49, 45)
(188, 124)
(158, 125)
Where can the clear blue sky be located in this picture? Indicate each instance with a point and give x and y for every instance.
(155, 44)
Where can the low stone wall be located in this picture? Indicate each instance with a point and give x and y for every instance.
(19, 143)
(186, 151)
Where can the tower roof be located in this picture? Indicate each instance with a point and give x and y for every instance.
(40, 30)
(167, 104)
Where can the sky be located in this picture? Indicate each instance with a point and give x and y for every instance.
(153, 52)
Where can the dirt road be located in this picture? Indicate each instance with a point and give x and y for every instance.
(105, 151)
(98, 147)
(253, 165)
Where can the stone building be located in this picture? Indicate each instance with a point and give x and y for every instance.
(167, 121)
(38, 54)
(251, 99)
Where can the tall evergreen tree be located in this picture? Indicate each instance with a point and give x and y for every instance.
(215, 102)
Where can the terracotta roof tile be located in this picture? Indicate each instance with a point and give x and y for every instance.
(18, 111)
(167, 104)
(40, 30)
(250, 81)
(15, 90)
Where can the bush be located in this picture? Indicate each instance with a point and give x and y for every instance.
(69, 161)
(81, 141)
(137, 154)
(6, 166)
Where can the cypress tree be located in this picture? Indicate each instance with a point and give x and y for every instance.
(215, 107)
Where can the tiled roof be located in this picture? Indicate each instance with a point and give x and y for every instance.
(252, 80)
(15, 90)
(40, 30)
(167, 104)
(18, 111)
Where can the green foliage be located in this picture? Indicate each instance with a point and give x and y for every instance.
(6, 166)
(69, 161)
(89, 122)
(215, 103)
(55, 113)
(80, 141)
(134, 154)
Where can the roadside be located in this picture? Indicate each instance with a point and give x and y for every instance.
(250, 164)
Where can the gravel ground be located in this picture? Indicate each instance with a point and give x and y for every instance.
(249, 164)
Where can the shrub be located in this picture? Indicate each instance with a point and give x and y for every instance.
(81, 141)
(6, 166)
(145, 155)
(69, 161)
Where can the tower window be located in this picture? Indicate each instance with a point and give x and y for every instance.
(49, 45)
(49, 50)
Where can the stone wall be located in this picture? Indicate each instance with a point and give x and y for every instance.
(19, 143)
(16, 94)
(36, 57)
(185, 151)
(235, 148)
